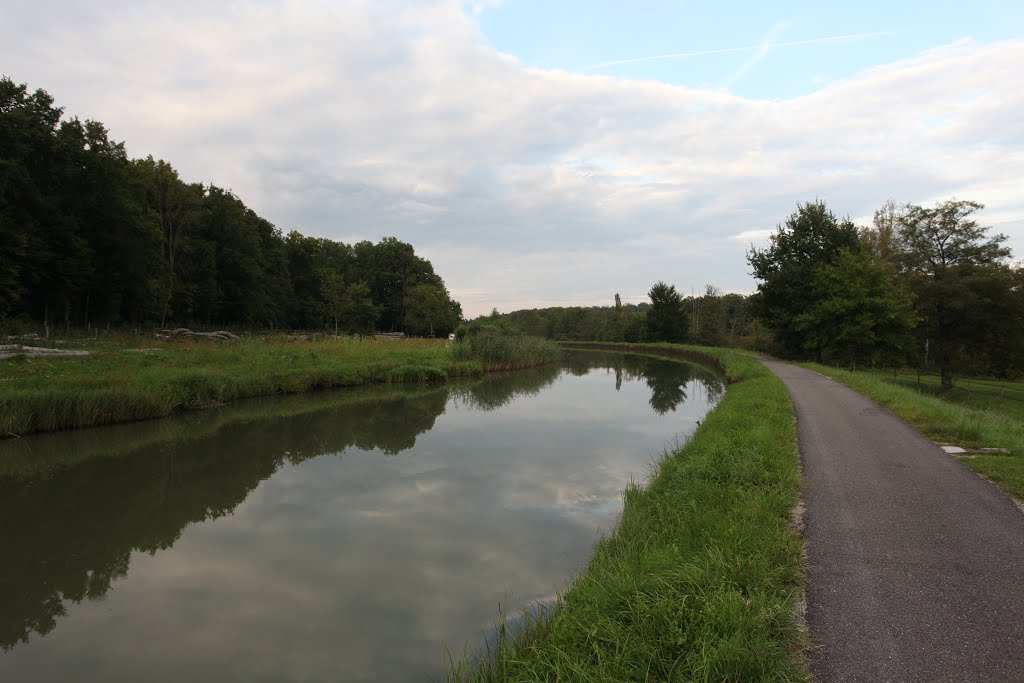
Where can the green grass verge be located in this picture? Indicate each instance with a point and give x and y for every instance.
(121, 384)
(948, 422)
(699, 579)
(998, 396)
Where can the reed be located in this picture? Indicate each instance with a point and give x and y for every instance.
(501, 350)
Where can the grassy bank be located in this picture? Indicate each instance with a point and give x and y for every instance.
(133, 378)
(949, 422)
(699, 579)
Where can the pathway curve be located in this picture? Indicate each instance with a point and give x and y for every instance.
(915, 565)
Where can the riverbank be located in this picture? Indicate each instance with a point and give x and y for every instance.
(948, 422)
(128, 379)
(700, 579)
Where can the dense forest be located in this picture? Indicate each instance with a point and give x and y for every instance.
(90, 237)
(920, 287)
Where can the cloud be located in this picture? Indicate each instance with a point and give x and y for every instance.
(765, 45)
(362, 119)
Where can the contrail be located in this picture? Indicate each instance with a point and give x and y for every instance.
(745, 48)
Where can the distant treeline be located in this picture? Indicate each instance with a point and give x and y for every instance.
(91, 237)
(711, 319)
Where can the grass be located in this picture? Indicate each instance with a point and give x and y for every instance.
(121, 383)
(699, 579)
(498, 350)
(1000, 396)
(946, 421)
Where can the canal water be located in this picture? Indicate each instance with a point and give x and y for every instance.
(339, 536)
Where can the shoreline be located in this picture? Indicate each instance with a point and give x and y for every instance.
(702, 577)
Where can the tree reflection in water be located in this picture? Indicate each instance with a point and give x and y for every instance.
(74, 506)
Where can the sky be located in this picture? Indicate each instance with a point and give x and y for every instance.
(551, 153)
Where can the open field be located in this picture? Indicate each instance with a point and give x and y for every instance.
(1001, 396)
(132, 378)
(700, 578)
(982, 420)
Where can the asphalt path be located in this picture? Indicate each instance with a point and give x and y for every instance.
(915, 565)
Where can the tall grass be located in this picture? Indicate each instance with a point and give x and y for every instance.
(117, 384)
(500, 350)
(699, 580)
(948, 422)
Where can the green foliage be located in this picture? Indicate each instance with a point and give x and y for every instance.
(811, 238)
(91, 237)
(360, 311)
(497, 347)
(430, 311)
(667, 320)
(698, 581)
(969, 300)
(709, 318)
(858, 313)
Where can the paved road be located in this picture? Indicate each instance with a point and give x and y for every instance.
(915, 565)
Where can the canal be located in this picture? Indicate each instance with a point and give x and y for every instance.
(340, 536)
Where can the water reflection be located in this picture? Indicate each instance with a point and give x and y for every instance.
(420, 545)
(667, 380)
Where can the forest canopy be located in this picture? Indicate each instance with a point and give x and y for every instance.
(92, 237)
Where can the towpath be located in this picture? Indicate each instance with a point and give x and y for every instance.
(915, 565)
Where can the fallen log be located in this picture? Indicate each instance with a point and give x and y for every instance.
(11, 350)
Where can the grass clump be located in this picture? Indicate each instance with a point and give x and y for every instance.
(948, 422)
(500, 348)
(698, 582)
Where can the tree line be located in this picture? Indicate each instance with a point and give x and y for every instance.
(90, 237)
(925, 287)
(711, 318)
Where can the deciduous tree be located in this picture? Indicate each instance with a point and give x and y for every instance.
(810, 239)
(960, 277)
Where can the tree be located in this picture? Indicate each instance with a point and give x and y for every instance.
(881, 239)
(859, 313)
(428, 308)
(360, 311)
(810, 239)
(335, 296)
(176, 207)
(711, 324)
(667, 320)
(959, 276)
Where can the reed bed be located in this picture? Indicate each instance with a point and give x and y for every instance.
(500, 350)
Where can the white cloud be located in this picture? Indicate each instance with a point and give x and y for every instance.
(363, 119)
